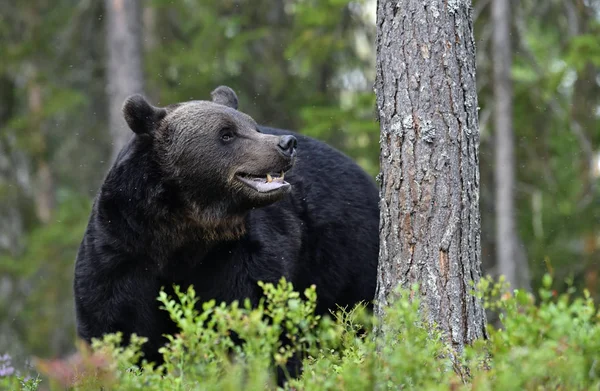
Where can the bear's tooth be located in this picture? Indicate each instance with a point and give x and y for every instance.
(269, 179)
(282, 175)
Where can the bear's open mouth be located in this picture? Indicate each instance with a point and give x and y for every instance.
(264, 183)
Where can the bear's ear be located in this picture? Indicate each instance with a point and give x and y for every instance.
(225, 96)
(140, 115)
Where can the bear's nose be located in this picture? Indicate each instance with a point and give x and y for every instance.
(288, 144)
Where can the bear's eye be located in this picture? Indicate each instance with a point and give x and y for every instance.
(227, 136)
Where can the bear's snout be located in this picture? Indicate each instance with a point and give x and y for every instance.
(287, 145)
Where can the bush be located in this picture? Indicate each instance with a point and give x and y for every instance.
(554, 344)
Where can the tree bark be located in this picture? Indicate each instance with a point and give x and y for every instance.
(124, 71)
(427, 106)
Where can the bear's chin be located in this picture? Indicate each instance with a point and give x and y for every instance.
(256, 193)
(264, 185)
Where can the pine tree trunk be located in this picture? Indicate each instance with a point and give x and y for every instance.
(124, 72)
(427, 106)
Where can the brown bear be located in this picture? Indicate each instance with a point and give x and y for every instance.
(203, 195)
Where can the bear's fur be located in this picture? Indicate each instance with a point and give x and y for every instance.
(173, 210)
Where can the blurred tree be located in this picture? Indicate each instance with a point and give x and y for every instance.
(557, 212)
(124, 76)
(427, 101)
(512, 263)
(557, 209)
(585, 113)
(47, 128)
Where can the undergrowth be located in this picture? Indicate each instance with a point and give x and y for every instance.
(552, 342)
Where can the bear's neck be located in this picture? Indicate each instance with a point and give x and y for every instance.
(149, 217)
(185, 237)
(184, 223)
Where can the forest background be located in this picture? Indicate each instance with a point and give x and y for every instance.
(305, 65)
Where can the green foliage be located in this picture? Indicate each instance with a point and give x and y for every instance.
(302, 65)
(45, 273)
(585, 48)
(555, 66)
(553, 344)
(20, 383)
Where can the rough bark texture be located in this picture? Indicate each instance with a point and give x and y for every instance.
(427, 105)
(124, 72)
(511, 262)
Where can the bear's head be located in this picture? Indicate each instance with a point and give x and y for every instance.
(219, 161)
